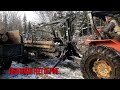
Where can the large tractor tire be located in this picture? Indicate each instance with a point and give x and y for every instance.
(100, 62)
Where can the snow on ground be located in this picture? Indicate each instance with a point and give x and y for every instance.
(6, 74)
(64, 71)
(68, 70)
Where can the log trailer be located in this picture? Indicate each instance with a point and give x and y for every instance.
(11, 48)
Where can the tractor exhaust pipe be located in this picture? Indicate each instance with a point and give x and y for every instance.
(93, 25)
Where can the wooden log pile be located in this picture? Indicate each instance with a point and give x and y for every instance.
(43, 48)
(39, 44)
(9, 37)
(14, 36)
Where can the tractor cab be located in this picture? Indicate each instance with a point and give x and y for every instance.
(98, 18)
(102, 59)
(102, 38)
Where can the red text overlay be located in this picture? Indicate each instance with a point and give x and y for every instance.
(33, 70)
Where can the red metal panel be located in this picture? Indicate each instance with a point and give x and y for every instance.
(107, 42)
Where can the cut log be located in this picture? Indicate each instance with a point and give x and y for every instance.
(50, 50)
(39, 42)
(4, 37)
(14, 36)
(28, 41)
(44, 42)
(39, 46)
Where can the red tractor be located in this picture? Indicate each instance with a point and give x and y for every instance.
(102, 59)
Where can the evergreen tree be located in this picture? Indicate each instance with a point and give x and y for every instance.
(5, 22)
(29, 27)
(25, 23)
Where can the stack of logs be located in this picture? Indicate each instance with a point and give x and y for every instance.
(43, 48)
(10, 37)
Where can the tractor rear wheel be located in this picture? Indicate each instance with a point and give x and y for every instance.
(100, 62)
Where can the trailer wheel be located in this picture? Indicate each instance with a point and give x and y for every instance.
(25, 59)
(7, 65)
(100, 62)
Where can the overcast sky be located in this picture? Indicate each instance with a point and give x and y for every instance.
(31, 16)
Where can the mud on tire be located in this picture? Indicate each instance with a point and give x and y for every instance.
(110, 55)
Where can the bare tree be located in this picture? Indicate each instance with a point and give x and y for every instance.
(45, 16)
(12, 20)
(50, 14)
(5, 21)
(1, 21)
(41, 15)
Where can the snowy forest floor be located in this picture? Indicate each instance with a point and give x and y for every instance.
(67, 70)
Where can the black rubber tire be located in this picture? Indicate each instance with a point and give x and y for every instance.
(110, 55)
(7, 65)
(25, 59)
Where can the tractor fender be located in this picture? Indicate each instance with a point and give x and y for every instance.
(107, 42)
